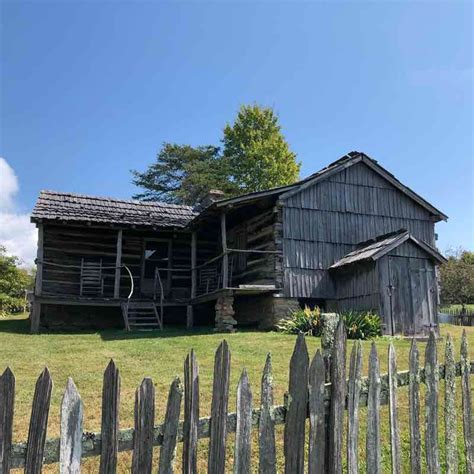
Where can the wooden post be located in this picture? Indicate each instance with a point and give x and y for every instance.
(225, 257)
(118, 262)
(39, 262)
(190, 308)
(35, 313)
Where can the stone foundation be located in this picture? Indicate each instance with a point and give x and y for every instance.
(225, 321)
(263, 311)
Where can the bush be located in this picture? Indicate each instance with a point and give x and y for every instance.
(359, 324)
(10, 304)
(307, 321)
(362, 324)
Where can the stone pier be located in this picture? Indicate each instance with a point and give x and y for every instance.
(225, 321)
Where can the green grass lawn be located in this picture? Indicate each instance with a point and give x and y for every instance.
(160, 355)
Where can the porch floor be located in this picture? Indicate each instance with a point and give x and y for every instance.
(99, 301)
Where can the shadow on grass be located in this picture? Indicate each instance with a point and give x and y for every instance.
(167, 332)
(21, 325)
(15, 325)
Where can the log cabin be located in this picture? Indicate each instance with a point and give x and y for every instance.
(349, 237)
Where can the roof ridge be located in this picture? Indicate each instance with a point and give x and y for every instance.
(107, 198)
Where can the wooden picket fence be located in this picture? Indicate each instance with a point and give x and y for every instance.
(309, 396)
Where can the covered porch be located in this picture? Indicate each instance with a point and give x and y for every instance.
(148, 269)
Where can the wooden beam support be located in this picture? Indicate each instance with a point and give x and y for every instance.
(190, 308)
(39, 264)
(193, 264)
(225, 257)
(118, 263)
(35, 314)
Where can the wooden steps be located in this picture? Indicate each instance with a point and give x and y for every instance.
(141, 316)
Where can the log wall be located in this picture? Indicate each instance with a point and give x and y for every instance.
(67, 245)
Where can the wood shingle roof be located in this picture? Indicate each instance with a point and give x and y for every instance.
(69, 207)
(383, 245)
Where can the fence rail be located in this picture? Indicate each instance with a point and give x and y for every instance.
(308, 397)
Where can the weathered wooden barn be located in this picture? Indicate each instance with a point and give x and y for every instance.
(350, 236)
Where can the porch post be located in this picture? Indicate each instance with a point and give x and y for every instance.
(118, 263)
(193, 264)
(190, 309)
(39, 262)
(225, 258)
(35, 312)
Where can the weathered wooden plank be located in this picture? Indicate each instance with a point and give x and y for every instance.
(170, 429)
(191, 413)
(353, 395)
(450, 422)
(338, 398)
(414, 397)
(431, 406)
(72, 412)
(219, 405)
(394, 428)
(7, 401)
(467, 414)
(110, 419)
(317, 416)
(266, 429)
(373, 459)
(243, 432)
(143, 434)
(225, 257)
(118, 263)
(296, 408)
(38, 423)
(91, 445)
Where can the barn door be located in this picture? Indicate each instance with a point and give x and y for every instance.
(400, 296)
(423, 289)
(412, 287)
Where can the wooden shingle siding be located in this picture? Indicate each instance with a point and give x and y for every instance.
(408, 249)
(325, 221)
(305, 283)
(361, 281)
(313, 255)
(348, 228)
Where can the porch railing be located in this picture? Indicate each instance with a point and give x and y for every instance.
(71, 282)
(209, 275)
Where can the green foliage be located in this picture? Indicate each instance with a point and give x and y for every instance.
(256, 157)
(359, 324)
(183, 174)
(362, 324)
(13, 283)
(260, 158)
(457, 278)
(307, 321)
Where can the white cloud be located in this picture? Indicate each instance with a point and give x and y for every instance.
(17, 234)
(8, 185)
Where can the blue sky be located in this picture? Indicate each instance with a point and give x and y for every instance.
(91, 89)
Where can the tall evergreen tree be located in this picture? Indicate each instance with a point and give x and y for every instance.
(259, 156)
(183, 174)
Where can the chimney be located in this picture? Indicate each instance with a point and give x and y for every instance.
(212, 196)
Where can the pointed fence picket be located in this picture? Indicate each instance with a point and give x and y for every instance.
(309, 396)
(266, 432)
(414, 402)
